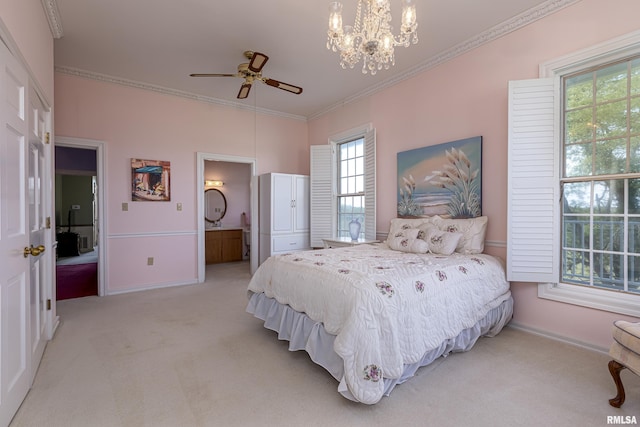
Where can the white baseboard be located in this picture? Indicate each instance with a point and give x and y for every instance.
(150, 287)
(556, 337)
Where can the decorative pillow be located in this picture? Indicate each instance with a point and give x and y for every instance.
(407, 244)
(411, 233)
(442, 242)
(399, 224)
(425, 229)
(473, 231)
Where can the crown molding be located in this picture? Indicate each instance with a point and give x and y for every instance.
(53, 17)
(172, 92)
(515, 23)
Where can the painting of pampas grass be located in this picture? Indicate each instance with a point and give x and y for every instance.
(443, 179)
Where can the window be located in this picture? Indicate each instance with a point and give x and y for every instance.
(600, 182)
(350, 180)
(574, 178)
(343, 185)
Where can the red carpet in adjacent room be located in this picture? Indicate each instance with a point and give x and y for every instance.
(76, 280)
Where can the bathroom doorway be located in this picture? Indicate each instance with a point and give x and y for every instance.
(235, 178)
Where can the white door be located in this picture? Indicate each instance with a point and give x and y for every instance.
(15, 354)
(39, 267)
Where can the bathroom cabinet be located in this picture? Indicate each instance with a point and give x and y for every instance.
(223, 245)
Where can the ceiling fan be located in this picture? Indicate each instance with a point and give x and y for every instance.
(252, 71)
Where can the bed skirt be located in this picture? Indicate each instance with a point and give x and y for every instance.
(309, 335)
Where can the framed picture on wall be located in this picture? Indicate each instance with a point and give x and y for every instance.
(150, 180)
(443, 179)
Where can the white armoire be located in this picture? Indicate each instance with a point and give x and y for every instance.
(284, 214)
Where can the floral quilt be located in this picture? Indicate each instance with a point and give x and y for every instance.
(386, 308)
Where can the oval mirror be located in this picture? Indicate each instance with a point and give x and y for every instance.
(215, 205)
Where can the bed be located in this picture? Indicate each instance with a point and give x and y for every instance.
(373, 314)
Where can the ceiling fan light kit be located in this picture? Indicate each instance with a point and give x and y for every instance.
(371, 37)
(251, 71)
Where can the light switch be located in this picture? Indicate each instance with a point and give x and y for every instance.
(125, 206)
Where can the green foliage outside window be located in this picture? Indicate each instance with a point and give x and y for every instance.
(601, 177)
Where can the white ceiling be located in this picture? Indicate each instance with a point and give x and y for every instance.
(160, 42)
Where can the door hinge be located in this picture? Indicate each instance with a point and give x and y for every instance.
(47, 223)
(48, 304)
(47, 137)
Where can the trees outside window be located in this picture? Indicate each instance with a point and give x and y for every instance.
(600, 182)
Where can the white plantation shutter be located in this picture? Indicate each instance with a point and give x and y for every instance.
(322, 199)
(533, 187)
(370, 185)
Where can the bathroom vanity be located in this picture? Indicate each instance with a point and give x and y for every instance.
(223, 245)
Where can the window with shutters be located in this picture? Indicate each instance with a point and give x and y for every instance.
(574, 148)
(343, 185)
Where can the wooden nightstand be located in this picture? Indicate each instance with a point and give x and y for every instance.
(339, 242)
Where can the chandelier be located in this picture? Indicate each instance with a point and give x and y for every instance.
(371, 35)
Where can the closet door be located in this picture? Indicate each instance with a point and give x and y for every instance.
(39, 266)
(15, 354)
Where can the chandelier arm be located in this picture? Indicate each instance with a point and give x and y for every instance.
(356, 26)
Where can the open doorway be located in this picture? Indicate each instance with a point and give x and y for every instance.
(236, 180)
(78, 217)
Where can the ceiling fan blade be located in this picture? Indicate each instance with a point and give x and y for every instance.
(214, 75)
(244, 90)
(257, 61)
(284, 86)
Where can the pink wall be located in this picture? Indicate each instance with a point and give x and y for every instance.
(27, 23)
(467, 96)
(135, 123)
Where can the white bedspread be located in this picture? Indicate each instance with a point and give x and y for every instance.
(386, 308)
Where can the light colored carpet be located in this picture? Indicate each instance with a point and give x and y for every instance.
(192, 356)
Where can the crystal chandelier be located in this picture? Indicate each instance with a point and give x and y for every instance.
(371, 36)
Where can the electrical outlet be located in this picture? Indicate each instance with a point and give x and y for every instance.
(179, 206)
(125, 207)
(150, 260)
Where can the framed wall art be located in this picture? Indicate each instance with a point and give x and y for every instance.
(150, 180)
(443, 179)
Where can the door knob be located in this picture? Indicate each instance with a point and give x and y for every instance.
(33, 251)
